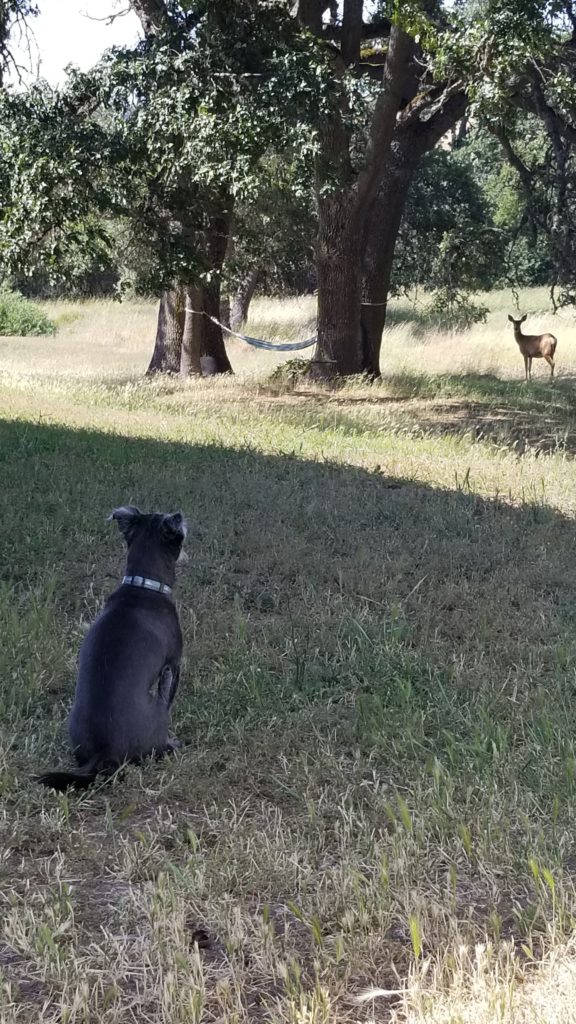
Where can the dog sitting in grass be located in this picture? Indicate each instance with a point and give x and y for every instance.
(130, 658)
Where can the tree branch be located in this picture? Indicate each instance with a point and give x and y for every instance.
(524, 172)
(310, 13)
(109, 19)
(400, 52)
(351, 32)
(153, 15)
(377, 29)
(432, 113)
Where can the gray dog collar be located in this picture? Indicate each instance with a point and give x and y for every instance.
(143, 581)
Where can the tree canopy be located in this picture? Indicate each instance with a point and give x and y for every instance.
(262, 135)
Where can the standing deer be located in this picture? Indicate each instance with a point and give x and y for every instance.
(534, 346)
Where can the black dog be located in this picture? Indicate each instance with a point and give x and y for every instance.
(130, 659)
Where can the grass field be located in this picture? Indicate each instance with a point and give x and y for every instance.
(378, 785)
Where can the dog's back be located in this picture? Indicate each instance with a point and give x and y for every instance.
(118, 711)
(121, 709)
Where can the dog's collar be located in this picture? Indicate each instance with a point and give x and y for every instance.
(143, 581)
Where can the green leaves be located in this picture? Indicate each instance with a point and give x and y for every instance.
(51, 178)
(157, 137)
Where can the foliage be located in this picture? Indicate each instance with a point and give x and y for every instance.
(447, 243)
(454, 310)
(20, 317)
(492, 45)
(523, 206)
(163, 136)
(54, 181)
(191, 123)
(274, 231)
(290, 373)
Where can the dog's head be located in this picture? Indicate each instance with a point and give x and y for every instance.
(151, 530)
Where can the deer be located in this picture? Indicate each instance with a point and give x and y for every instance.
(534, 346)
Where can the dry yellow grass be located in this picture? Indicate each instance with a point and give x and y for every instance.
(116, 340)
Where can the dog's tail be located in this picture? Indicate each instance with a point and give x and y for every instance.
(82, 778)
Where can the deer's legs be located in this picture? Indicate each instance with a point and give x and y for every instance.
(526, 369)
(550, 362)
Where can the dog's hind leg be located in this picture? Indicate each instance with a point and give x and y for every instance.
(167, 686)
(175, 682)
(168, 683)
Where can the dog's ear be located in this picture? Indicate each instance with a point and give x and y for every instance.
(174, 526)
(127, 516)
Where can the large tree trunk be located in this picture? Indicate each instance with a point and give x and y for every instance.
(202, 337)
(242, 299)
(380, 237)
(416, 134)
(338, 269)
(192, 338)
(213, 341)
(183, 337)
(168, 347)
(344, 193)
(217, 240)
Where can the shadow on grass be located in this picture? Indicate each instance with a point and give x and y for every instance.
(348, 637)
(504, 411)
(290, 560)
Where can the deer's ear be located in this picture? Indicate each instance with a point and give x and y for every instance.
(523, 318)
(511, 318)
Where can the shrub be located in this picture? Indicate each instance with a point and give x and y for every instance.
(290, 373)
(21, 317)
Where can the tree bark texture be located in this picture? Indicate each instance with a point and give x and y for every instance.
(242, 299)
(217, 242)
(343, 206)
(380, 237)
(415, 135)
(183, 337)
(192, 336)
(168, 346)
(153, 15)
(201, 336)
(339, 287)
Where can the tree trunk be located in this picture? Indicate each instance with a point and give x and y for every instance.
(344, 192)
(225, 313)
(212, 341)
(183, 338)
(242, 299)
(168, 346)
(416, 134)
(192, 337)
(217, 241)
(380, 237)
(201, 336)
(339, 287)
